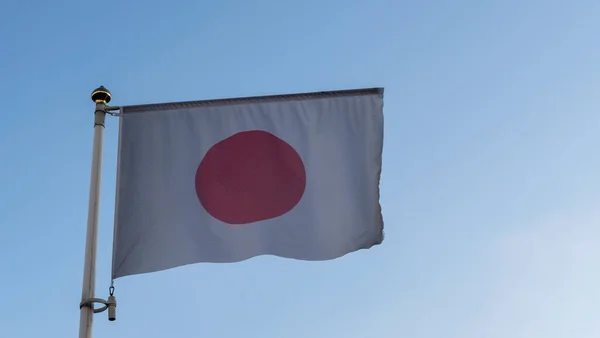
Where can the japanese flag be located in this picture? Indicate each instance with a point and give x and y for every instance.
(294, 176)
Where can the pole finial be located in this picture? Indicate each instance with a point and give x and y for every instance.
(101, 95)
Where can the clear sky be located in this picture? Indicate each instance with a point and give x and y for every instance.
(490, 186)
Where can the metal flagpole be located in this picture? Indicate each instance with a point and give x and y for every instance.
(101, 96)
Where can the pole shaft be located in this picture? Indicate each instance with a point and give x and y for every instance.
(89, 267)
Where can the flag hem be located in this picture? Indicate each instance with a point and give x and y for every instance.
(116, 211)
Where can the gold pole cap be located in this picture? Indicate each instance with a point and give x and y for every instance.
(101, 95)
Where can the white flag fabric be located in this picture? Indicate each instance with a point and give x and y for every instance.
(294, 176)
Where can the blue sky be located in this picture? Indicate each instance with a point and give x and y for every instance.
(490, 181)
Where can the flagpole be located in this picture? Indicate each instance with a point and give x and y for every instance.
(101, 96)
